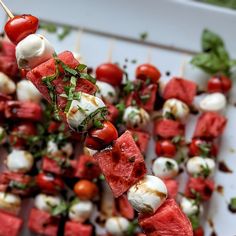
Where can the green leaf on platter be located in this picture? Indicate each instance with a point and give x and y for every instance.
(211, 41)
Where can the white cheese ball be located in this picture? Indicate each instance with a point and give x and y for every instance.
(7, 86)
(67, 149)
(200, 166)
(52, 147)
(117, 225)
(165, 168)
(26, 91)
(189, 206)
(213, 102)
(176, 108)
(46, 202)
(135, 117)
(82, 112)
(81, 211)
(106, 92)
(147, 195)
(32, 51)
(197, 75)
(10, 202)
(20, 161)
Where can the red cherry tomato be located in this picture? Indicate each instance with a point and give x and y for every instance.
(85, 189)
(148, 71)
(98, 138)
(109, 73)
(21, 132)
(49, 183)
(165, 148)
(198, 232)
(200, 147)
(220, 84)
(19, 27)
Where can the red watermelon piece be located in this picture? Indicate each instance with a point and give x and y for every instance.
(122, 164)
(181, 89)
(41, 222)
(201, 186)
(172, 186)
(198, 232)
(48, 68)
(10, 225)
(87, 168)
(124, 207)
(210, 125)
(112, 112)
(7, 49)
(76, 229)
(141, 139)
(168, 129)
(168, 220)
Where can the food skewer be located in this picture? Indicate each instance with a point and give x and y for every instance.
(6, 9)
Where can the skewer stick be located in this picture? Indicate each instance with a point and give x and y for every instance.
(110, 50)
(6, 9)
(149, 56)
(182, 67)
(78, 40)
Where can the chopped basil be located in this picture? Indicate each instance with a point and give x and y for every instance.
(65, 32)
(88, 77)
(205, 170)
(143, 36)
(169, 165)
(62, 208)
(169, 115)
(132, 159)
(98, 124)
(135, 137)
(195, 221)
(129, 87)
(101, 177)
(205, 149)
(18, 185)
(144, 98)
(51, 28)
(232, 203)
(134, 61)
(177, 139)
(81, 67)
(89, 164)
(111, 94)
(132, 228)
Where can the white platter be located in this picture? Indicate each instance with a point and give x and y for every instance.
(169, 24)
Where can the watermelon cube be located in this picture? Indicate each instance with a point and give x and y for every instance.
(168, 220)
(87, 168)
(113, 112)
(10, 225)
(181, 89)
(124, 207)
(122, 164)
(168, 129)
(141, 139)
(41, 222)
(199, 186)
(77, 229)
(48, 68)
(172, 186)
(210, 125)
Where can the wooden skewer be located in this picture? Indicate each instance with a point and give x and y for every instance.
(78, 40)
(110, 51)
(149, 56)
(6, 9)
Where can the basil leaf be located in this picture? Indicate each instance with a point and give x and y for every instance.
(51, 28)
(194, 219)
(88, 77)
(65, 32)
(232, 204)
(81, 67)
(59, 209)
(211, 41)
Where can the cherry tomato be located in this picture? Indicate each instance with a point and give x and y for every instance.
(23, 73)
(200, 147)
(19, 27)
(109, 73)
(49, 183)
(85, 189)
(21, 132)
(198, 232)
(221, 84)
(98, 138)
(165, 148)
(148, 71)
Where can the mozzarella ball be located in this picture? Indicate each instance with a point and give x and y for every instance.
(7, 86)
(106, 92)
(67, 149)
(26, 91)
(81, 211)
(117, 225)
(197, 75)
(147, 195)
(176, 108)
(52, 147)
(165, 168)
(10, 202)
(20, 161)
(213, 102)
(135, 117)
(32, 51)
(189, 206)
(46, 202)
(200, 166)
(82, 112)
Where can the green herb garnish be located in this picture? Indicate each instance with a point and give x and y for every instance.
(65, 32)
(62, 208)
